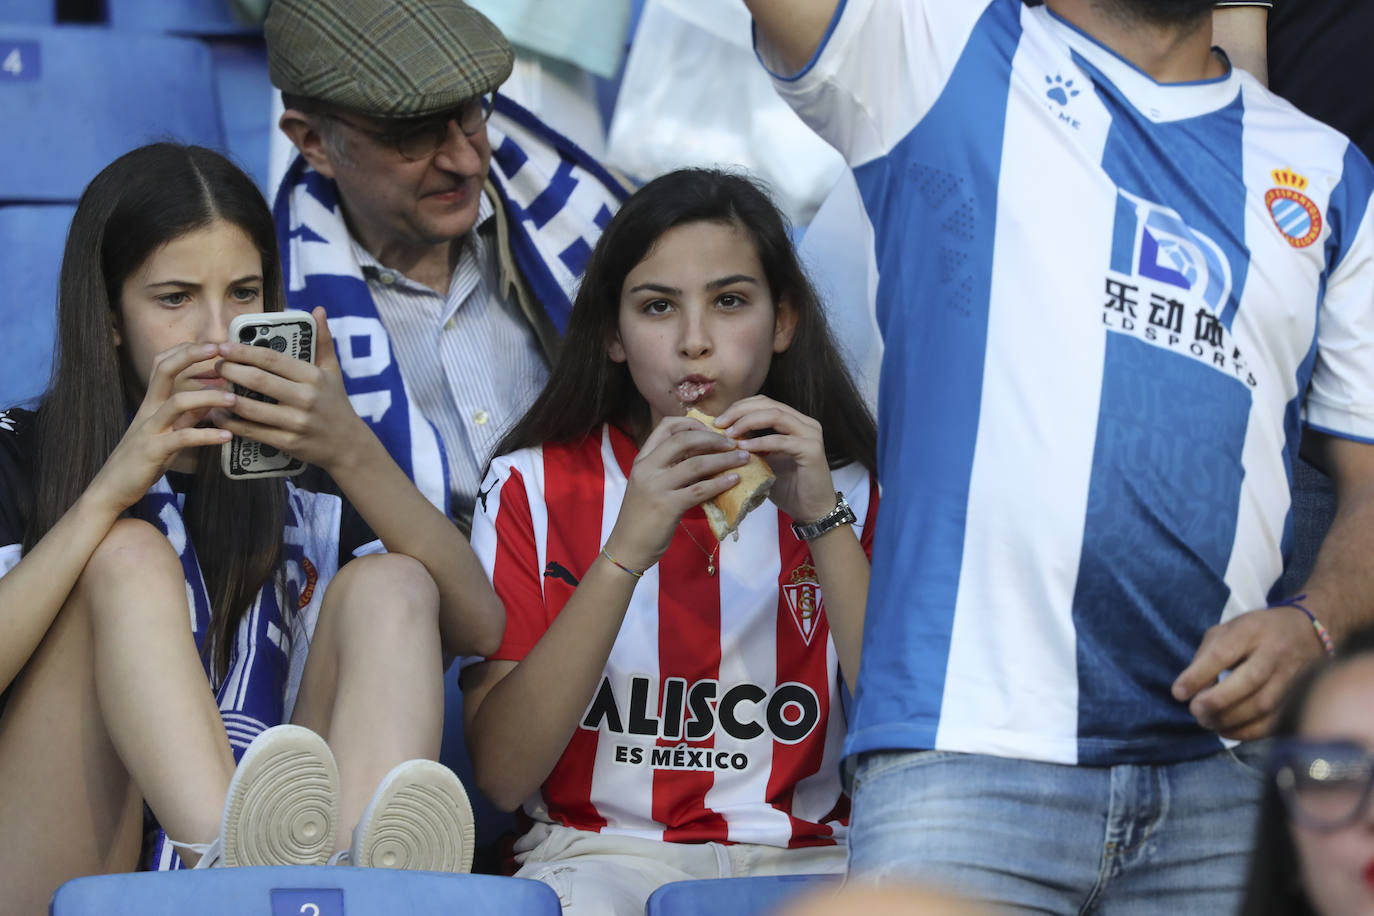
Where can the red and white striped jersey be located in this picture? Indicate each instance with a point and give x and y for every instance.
(718, 716)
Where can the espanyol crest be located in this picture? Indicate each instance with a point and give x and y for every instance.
(1297, 218)
(804, 600)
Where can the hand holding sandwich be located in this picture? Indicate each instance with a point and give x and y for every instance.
(681, 464)
(794, 448)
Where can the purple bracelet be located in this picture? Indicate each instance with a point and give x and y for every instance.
(1322, 634)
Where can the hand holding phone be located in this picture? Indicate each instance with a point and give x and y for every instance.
(291, 332)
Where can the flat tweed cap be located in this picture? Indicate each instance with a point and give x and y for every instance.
(385, 58)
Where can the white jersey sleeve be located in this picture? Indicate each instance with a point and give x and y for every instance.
(1340, 398)
(879, 68)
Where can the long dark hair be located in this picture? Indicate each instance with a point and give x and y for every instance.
(1274, 886)
(140, 202)
(586, 389)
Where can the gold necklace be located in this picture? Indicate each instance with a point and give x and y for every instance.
(710, 557)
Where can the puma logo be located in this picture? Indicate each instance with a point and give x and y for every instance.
(483, 494)
(556, 570)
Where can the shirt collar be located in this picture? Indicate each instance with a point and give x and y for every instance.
(1160, 102)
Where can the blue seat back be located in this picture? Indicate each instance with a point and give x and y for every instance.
(319, 890)
(239, 56)
(82, 96)
(245, 102)
(31, 242)
(29, 12)
(753, 896)
(202, 18)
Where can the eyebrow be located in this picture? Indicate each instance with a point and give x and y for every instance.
(248, 278)
(731, 281)
(713, 284)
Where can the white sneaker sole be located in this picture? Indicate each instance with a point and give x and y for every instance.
(419, 819)
(283, 802)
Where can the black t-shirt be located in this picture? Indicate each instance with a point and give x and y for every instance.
(1320, 60)
(16, 428)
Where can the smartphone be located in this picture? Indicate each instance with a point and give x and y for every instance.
(291, 332)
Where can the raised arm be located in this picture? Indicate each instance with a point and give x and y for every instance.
(315, 422)
(794, 28)
(1243, 33)
(794, 444)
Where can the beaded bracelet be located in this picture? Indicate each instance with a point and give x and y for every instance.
(1322, 634)
(614, 561)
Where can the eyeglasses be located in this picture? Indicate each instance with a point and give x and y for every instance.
(418, 139)
(1325, 785)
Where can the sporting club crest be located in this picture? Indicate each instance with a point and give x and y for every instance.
(804, 600)
(1296, 217)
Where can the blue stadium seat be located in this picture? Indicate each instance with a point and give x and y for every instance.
(492, 824)
(201, 18)
(29, 12)
(240, 66)
(31, 241)
(245, 103)
(73, 100)
(292, 891)
(754, 896)
(84, 95)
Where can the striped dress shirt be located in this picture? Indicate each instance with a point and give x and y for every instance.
(470, 359)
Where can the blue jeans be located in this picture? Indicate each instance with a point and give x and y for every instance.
(1048, 838)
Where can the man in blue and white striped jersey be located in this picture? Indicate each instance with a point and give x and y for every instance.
(1117, 279)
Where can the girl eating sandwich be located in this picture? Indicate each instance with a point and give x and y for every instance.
(666, 701)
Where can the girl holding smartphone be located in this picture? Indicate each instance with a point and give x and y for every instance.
(117, 528)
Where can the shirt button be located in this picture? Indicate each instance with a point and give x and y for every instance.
(480, 418)
(448, 325)
(387, 277)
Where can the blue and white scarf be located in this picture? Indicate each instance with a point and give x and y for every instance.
(257, 690)
(557, 199)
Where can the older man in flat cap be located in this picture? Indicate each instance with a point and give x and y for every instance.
(441, 227)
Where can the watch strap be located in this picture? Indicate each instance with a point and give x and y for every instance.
(842, 514)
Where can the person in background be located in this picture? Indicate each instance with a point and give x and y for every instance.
(1110, 302)
(442, 229)
(1314, 840)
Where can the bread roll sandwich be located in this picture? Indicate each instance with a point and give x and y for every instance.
(727, 510)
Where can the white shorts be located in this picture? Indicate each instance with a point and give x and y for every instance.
(597, 874)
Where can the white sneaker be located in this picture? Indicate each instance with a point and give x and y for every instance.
(419, 819)
(282, 807)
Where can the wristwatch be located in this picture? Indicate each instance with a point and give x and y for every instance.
(840, 515)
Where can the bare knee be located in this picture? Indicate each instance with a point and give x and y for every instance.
(133, 554)
(132, 548)
(383, 590)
